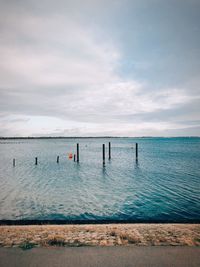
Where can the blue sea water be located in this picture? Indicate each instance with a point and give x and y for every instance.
(164, 185)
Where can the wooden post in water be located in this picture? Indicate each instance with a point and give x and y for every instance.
(36, 161)
(103, 154)
(57, 159)
(13, 162)
(77, 151)
(74, 157)
(109, 150)
(136, 151)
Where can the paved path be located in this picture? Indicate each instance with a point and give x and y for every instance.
(101, 257)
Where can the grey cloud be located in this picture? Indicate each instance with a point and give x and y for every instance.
(181, 113)
(104, 64)
(85, 105)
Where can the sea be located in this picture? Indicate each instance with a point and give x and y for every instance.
(162, 185)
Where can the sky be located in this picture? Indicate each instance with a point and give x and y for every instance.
(100, 68)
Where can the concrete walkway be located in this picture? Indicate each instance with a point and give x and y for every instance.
(101, 257)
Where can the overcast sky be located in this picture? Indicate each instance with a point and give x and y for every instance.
(99, 67)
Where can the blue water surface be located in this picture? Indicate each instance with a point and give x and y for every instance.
(164, 185)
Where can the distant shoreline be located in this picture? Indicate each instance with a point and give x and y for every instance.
(91, 137)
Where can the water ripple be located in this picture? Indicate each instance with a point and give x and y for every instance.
(163, 185)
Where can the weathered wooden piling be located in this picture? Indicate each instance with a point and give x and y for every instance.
(103, 150)
(74, 157)
(136, 151)
(77, 151)
(36, 161)
(109, 150)
(13, 162)
(57, 159)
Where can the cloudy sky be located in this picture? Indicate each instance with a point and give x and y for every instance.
(99, 67)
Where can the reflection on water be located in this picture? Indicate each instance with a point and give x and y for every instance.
(162, 185)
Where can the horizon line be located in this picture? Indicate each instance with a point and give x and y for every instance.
(82, 137)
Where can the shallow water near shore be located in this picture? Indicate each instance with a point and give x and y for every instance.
(164, 185)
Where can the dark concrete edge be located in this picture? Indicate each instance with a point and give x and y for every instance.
(92, 222)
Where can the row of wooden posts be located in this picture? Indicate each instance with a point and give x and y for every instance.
(76, 156)
(109, 152)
